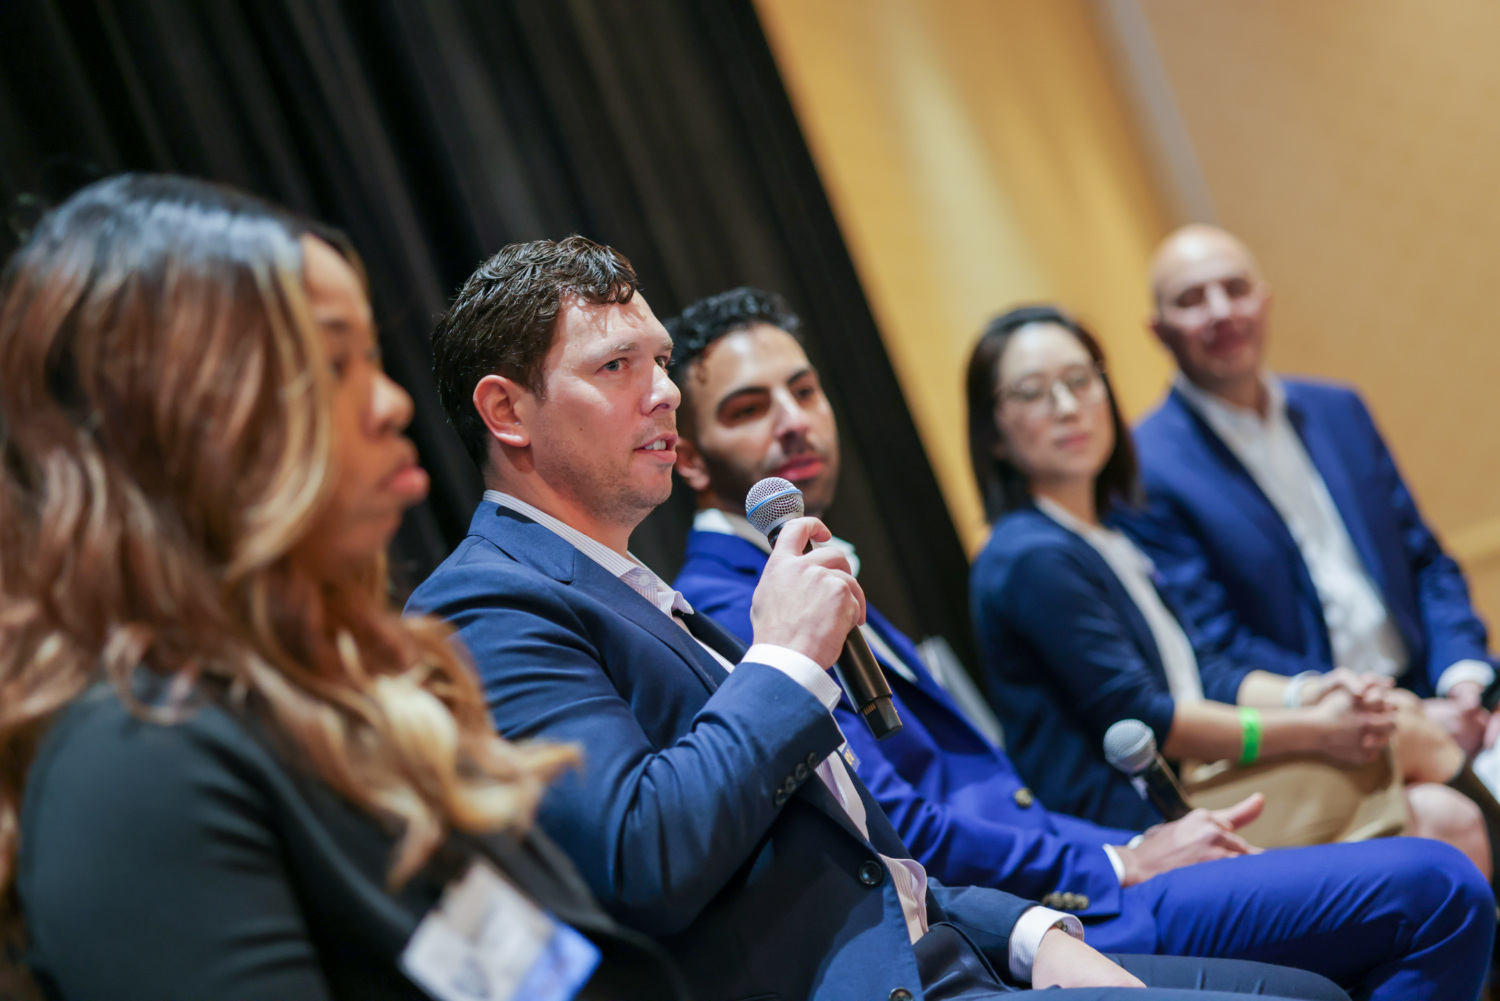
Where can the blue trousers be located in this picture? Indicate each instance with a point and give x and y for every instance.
(1398, 919)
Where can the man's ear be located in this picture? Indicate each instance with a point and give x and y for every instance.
(496, 398)
(690, 466)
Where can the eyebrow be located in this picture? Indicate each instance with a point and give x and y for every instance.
(626, 347)
(735, 394)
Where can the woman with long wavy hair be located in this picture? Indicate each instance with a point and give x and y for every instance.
(228, 769)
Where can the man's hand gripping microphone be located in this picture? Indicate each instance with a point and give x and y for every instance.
(772, 503)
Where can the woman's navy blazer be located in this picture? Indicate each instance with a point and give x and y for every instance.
(1066, 653)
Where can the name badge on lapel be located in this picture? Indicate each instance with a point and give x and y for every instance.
(485, 941)
(850, 758)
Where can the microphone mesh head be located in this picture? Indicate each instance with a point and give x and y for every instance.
(772, 502)
(1129, 745)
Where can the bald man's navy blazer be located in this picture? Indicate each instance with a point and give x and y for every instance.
(695, 816)
(1223, 547)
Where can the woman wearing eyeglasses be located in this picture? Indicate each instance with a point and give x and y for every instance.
(1073, 631)
(228, 769)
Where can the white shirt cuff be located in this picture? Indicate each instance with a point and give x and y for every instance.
(1291, 696)
(1465, 670)
(1115, 863)
(1026, 937)
(800, 668)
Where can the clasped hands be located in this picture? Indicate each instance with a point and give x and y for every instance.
(1464, 717)
(1460, 714)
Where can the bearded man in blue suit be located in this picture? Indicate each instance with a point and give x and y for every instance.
(753, 407)
(712, 810)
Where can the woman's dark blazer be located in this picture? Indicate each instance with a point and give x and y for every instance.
(1066, 653)
(169, 862)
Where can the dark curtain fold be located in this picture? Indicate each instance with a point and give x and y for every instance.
(436, 132)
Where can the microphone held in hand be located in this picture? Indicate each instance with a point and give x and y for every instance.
(1130, 746)
(772, 503)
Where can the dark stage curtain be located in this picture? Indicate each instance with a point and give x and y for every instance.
(436, 132)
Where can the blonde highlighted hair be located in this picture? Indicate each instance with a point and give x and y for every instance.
(165, 441)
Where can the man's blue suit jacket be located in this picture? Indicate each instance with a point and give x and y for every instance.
(695, 816)
(1066, 653)
(949, 791)
(1223, 547)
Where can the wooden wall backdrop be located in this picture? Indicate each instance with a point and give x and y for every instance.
(978, 156)
(1355, 146)
(984, 152)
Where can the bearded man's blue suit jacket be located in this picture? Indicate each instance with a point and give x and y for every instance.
(1224, 549)
(951, 793)
(695, 816)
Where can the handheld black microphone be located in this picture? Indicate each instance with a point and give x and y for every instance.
(772, 503)
(1130, 746)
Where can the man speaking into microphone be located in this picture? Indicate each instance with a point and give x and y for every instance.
(713, 809)
(753, 407)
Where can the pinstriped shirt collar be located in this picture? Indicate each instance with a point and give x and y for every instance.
(632, 572)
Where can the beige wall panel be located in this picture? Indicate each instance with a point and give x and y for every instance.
(977, 157)
(1355, 146)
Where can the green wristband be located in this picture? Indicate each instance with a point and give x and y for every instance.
(1250, 733)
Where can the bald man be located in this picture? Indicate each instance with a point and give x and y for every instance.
(1275, 509)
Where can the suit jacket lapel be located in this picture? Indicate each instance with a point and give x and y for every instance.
(1240, 488)
(543, 549)
(816, 794)
(715, 636)
(906, 652)
(1325, 456)
(1119, 597)
(590, 577)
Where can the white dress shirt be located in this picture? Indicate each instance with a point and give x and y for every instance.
(1360, 628)
(1034, 923)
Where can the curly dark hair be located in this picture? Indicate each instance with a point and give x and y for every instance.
(707, 320)
(504, 320)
